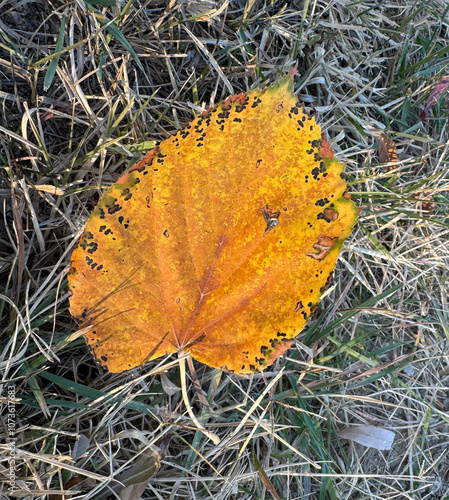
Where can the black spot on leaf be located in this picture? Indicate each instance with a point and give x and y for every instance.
(315, 173)
(114, 209)
(322, 202)
(93, 247)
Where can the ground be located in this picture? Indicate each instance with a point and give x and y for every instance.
(85, 91)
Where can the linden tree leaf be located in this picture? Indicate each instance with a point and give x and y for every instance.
(219, 242)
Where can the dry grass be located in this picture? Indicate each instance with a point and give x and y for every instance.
(375, 353)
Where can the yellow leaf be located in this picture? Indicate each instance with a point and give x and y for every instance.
(220, 241)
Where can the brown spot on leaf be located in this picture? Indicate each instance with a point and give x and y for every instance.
(115, 208)
(299, 305)
(325, 150)
(323, 245)
(279, 349)
(226, 105)
(146, 161)
(330, 214)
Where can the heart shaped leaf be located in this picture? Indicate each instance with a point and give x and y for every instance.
(219, 242)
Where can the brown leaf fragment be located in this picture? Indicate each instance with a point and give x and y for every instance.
(263, 476)
(434, 96)
(323, 245)
(427, 207)
(387, 150)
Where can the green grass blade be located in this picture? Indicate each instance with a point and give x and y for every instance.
(50, 74)
(112, 29)
(106, 3)
(93, 394)
(349, 314)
